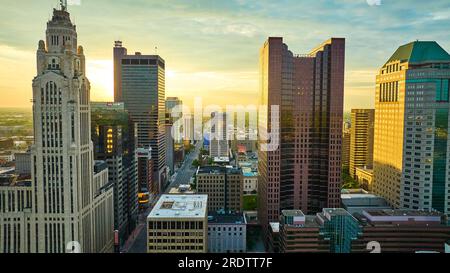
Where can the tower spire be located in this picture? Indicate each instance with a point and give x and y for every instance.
(63, 4)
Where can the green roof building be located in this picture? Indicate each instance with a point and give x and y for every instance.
(411, 146)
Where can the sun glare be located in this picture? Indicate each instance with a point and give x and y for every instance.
(101, 75)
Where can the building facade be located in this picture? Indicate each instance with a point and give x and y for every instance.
(219, 142)
(224, 187)
(23, 163)
(114, 140)
(346, 145)
(178, 224)
(305, 171)
(402, 231)
(71, 200)
(142, 89)
(337, 231)
(411, 150)
(361, 139)
(227, 233)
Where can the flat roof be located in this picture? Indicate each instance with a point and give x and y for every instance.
(402, 212)
(218, 170)
(233, 218)
(358, 196)
(275, 226)
(292, 213)
(180, 206)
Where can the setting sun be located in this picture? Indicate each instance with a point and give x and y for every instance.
(101, 75)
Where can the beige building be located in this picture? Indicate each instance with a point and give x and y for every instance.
(178, 224)
(412, 144)
(345, 145)
(361, 139)
(224, 187)
(71, 203)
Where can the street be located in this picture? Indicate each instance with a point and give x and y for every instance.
(137, 242)
(186, 171)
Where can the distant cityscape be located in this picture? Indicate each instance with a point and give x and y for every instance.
(146, 174)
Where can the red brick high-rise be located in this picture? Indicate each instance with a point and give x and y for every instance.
(305, 171)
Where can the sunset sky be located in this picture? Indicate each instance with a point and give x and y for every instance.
(211, 47)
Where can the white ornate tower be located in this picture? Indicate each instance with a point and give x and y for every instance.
(71, 202)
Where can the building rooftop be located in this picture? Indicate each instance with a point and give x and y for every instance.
(218, 170)
(97, 105)
(100, 165)
(180, 206)
(182, 189)
(400, 217)
(275, 226)
(221, 159)
(247, 172)
(403, 213)
(364, 170)
(292, 213)
(227, 218)
(419, 52)
(335, 211)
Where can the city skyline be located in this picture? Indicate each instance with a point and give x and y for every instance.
(210, 51)
(286, 169)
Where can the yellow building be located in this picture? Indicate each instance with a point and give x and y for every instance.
(411, 146)
(361, 139)
(364, 177)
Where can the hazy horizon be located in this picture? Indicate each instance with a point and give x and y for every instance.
(211, 48)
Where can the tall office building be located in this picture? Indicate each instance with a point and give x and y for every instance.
(224, 187)
(305, 171)
(171, 103)
(219, 144)
(141, 86)
(71, 199)
(114, 138)
(411, 148)
(118, 52)
(361, 139)
(188, 128)
(345, 159)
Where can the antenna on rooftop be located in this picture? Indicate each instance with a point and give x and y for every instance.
(156, 50)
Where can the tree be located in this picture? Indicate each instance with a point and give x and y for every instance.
(347, 181)
(196, 163)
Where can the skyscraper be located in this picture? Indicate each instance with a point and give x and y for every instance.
(305, 171)
(118, 52)
(411, 128)
(175, 137)
(114, 139)
(142, 88)
(219, 142)
(71, 199)
(361, 139)
(346, 145)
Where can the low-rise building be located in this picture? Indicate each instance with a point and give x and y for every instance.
(227, 233)
(358, 202)
(250, 181)
(182, 189)
(178, 224)
(337, 231)
(402, 231)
